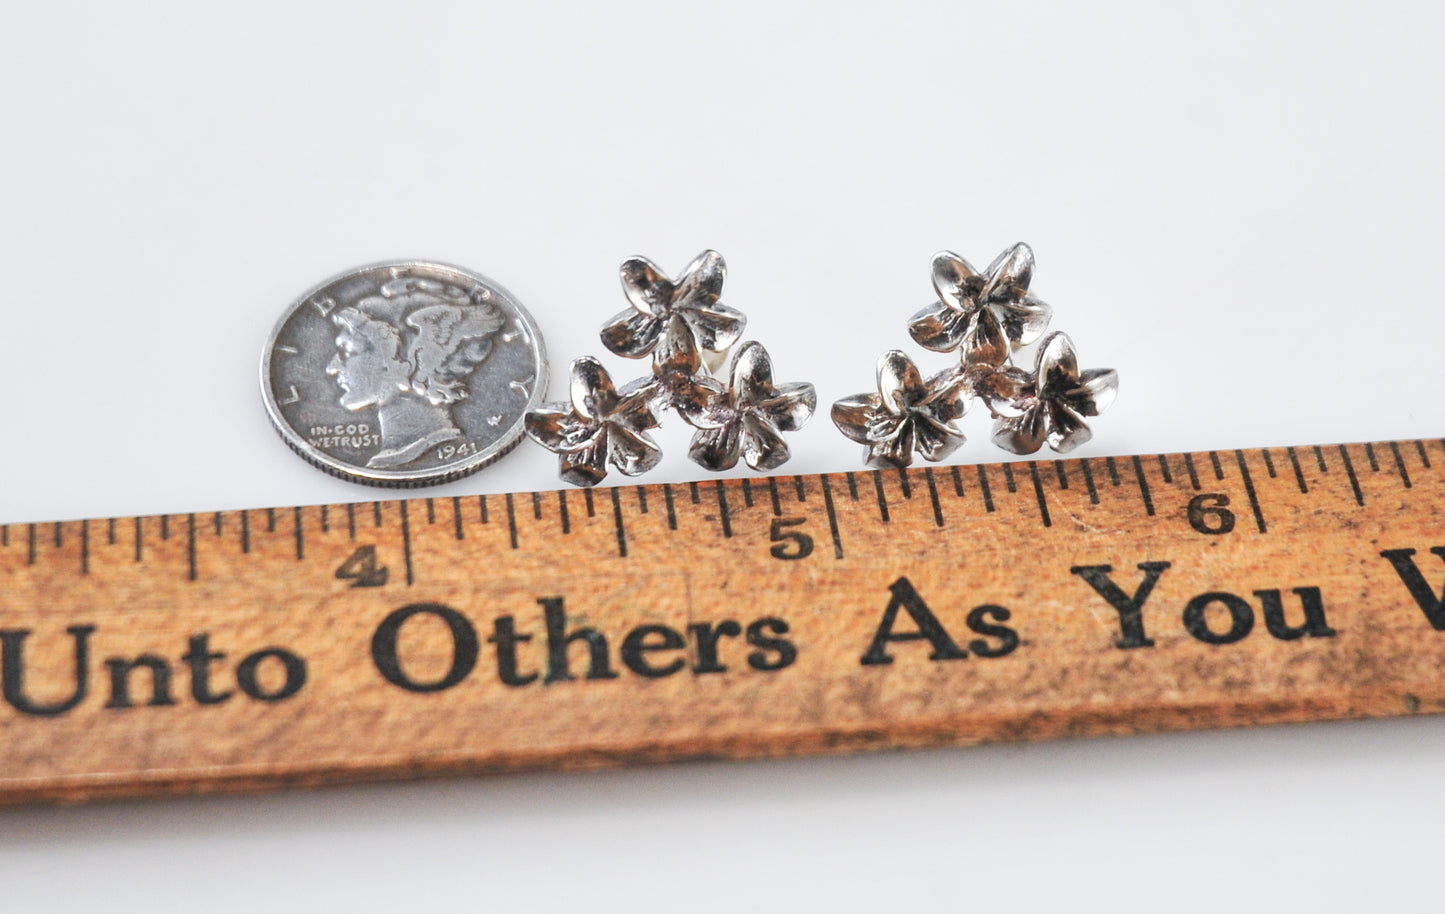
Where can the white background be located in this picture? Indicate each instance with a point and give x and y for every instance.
(1236, 205)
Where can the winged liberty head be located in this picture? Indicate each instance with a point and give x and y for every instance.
(408, 351)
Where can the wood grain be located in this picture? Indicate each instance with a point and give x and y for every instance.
(728, 618)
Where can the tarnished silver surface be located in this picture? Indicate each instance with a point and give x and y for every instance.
(986, 317)
(403, 374)
(1059, 398)
(907, 414)
(600, 425)
(688, 332)
(748, 418)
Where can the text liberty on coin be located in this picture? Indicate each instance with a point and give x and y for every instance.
(403, 374)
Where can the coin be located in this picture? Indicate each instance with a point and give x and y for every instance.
(403, 374)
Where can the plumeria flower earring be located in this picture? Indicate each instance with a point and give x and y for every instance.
(986, 317)
(688, 332)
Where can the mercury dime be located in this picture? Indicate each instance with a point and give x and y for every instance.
(403, 374)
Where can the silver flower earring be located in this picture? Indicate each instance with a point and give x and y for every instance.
(985, 316)
(689, 333)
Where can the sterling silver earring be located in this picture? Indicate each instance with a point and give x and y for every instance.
(986, 317)
(689, 334)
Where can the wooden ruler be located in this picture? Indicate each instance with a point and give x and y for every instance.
(735, 618)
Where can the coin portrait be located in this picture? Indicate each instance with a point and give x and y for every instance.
(403, 374)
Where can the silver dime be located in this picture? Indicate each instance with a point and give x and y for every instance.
(403, 374)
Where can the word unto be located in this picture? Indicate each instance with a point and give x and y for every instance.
(268, 675)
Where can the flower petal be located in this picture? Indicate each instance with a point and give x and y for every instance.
(955, 280)
(587, 466)
(558, 428)
(701, 283)
(751, 374)
(863, 418)
(676, 350)
(636, 406)
(593, 395)
(632, 452)
(647, 287)
(1096, 391)
(935, 440)
(791, 407)
(1058, 366)
(1066, 430)
(716, 326)
(763, 446)
(716, 448)
(895, 450)
(631, 334)
(1009, 275)
(939, 327)
(948, 395)
(987, 344)
(1024, 321)
(702, 402)
(1002, 389)
(899, 382)
(1022, 434)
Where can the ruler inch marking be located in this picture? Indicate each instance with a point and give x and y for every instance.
(562, 511)
(622, 530)
(957, 481)
(852, 478)
(1192, 470)
(350, 520)
(245, 531)
(1320, 459)
(802, 492)
(482, 508)
(1089, 480)
(1350, 471)
(1164, 469)
(85, 547)
(1268, 462)
(1039, 493)
(406, 541)
(903, 485)
(773, 494)
(591, 503)
(1143, 486)
(882, 498)
(431, 511)
(1370, 456)
(218, 520)
(724, 516)
(512, 520)
(1424, 457)
(747, 492)
(300, 535)
(641, 499)
(832, 517)
(933, 496)
(139, 539)
(270, 521)
(191, 544)
(671, 511)
(1008, 478)
(457, 518)
(1298, 473)
(1249, 490)
(983, 487)
(536, 506)
(1400, 465)
(1063, 476)
(697, 498)
(1218, 470)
